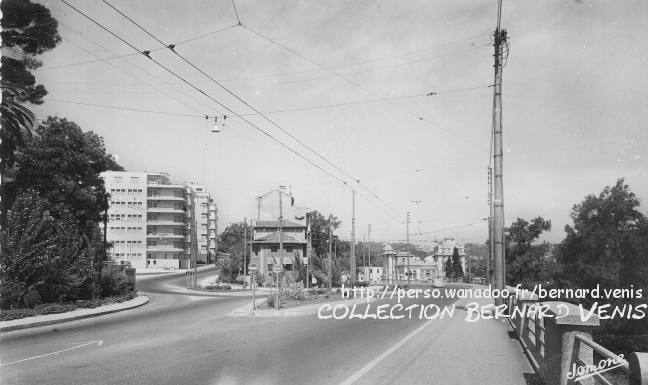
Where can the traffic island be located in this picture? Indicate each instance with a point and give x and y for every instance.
(50, 319)
(263, 310)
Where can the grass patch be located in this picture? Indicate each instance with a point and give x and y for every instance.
(56, 308)
(308, 299)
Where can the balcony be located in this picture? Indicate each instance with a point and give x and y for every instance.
(164, 198)
(158, 222)
(164, 235)
(164, 186)
(165, 210)
(170, 248)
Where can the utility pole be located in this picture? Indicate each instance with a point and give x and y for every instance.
(330, 234)
(195, 253)
(491, 236)
(364, 255)
(498, 154)
(244, 252)
(308, 246)
(369, 261)
(353, 256)
(280, 244)
(408, 249)
(252, 276)
(258, 208)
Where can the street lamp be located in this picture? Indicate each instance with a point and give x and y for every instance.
(215, 126)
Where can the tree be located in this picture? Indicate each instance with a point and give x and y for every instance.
(603, 246)
(478, 254)
(528, 263)
(412, 248)
(607, 245)
(63, 164)
(28, 29)
(457, 269)
(231, 241)
(449, 268)
(319, 227)
(44, 258)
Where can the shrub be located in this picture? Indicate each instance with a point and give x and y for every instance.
(31, 298)
(218, 287)
(271, 301)
(114, 282)
(295, 291)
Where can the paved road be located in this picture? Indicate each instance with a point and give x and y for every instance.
(190, 339)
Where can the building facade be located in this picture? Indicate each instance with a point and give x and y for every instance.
(153, 222)
(401, 265)
(204, 216)
(442, 251)
(265, 245)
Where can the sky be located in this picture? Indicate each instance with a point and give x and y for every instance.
(350, 80)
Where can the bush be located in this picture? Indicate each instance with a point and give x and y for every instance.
(114, 282)
(295, 291)
(218, 287)
(271, 301)
(31, 298)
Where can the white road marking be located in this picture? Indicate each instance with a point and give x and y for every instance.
(357, 375)
(98, 342)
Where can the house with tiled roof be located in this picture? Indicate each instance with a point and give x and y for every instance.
(266, 240)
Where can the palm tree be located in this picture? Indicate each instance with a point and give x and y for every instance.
(17, 127)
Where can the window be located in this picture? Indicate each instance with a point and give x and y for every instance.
(153, 217)
(274, 249)
(289, 249)
(152, 204)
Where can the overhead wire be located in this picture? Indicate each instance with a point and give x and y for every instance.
(118, 56)
(304, 108)
(275, 124)
(125, 108)
(355, 84)
(207, 95)
(113, 65)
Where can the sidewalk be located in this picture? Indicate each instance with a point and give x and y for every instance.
(453, 351)
(50, 319)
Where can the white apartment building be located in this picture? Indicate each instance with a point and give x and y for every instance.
(126, 226)
(152, 222)
(204, 215)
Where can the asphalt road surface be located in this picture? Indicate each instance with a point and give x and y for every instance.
(191, 339)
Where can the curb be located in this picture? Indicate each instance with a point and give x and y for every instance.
(224, 293)
(133, 303)
(246, 311)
